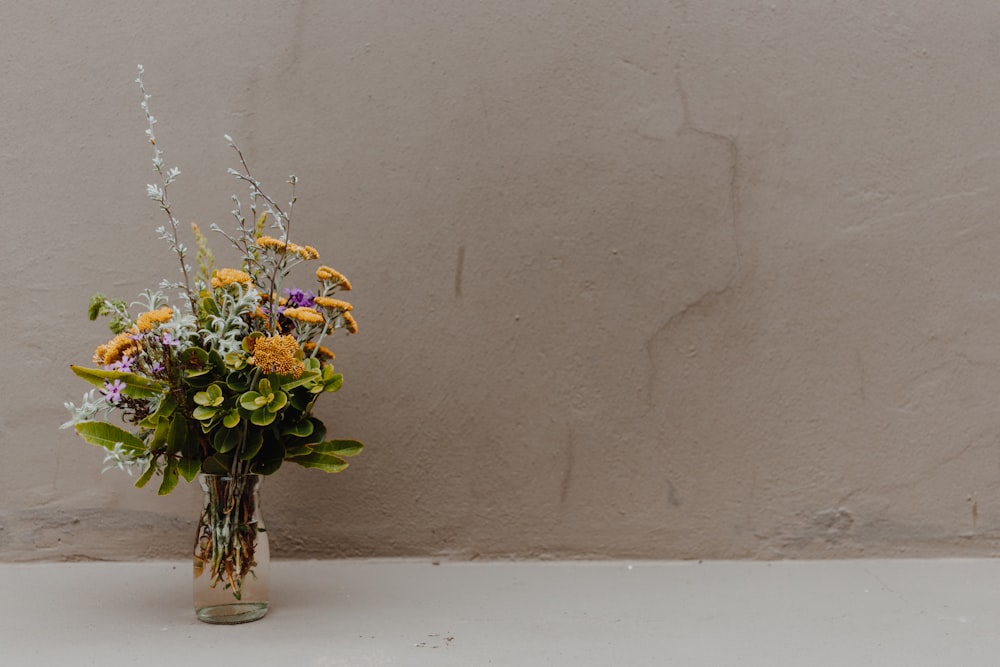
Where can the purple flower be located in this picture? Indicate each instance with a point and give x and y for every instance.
(124, 365)
(156, 368)
(168, 339)
(113, 391)
(299, 299)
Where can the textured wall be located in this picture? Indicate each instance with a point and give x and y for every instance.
(634, 279)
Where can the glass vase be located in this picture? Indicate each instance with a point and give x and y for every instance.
(231, 555)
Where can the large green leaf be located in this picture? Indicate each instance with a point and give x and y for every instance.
(166, 408)
(300, 429)
(262, 417)
(188, 468)
(146, 476)
(306, 378)
(136, 386)
(225, 439)
(266, 467)
(178, 433)
(325, 462)
(255, 439)
(218, 464)
(170, 478)
(339, 447)
(108, 435)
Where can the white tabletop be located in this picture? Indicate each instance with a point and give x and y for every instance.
(392, 612)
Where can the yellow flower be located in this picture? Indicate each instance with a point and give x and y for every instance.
(332, 304)
(323, 352)
(100, 353)
(309, 252)
(352, 325)
(271, 243)
(307, 315)
(120, 346)
(226, 277)
(146, 321)
(333, 276)
(279, 355)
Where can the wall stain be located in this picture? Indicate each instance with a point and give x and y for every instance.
(673, 499)
(568, 471)
(459, 269)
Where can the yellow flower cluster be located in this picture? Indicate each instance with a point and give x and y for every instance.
(271, 243)
(279, 355)
(120, 346)
(351, 325)
(226, 277)
(322, 354)
(146, 320)
(306, 315)
(328, 274)
(332, 304)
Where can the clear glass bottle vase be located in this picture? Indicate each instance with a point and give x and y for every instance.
(231, 556)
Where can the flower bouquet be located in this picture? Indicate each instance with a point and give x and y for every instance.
(224, 382)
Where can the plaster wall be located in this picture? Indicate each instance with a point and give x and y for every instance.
(634, 279)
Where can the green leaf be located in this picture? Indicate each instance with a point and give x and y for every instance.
(325, 462)
(335, 383)
(166, 408)
(255, 439)
(146, 476)
(319, 431)
(225, 440)
(306, 378)
(266, 467)
(271, 455)
(279, 401)
(208, 306)
(339, 447)
(299, 429)
(296, 451)
(249, 341)
(189, 468)
(204, 413)
(108, 435)
(136, 386)
(170, 478)
(262, 417)
(211, 397)
(160, 434)
(249, 400)
(235, 361)
(238, 382)
(178, 434)
(231, 419)
(217, 464)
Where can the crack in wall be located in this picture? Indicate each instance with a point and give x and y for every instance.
(707, 299)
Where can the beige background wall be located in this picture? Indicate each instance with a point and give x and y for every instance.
(634, 279)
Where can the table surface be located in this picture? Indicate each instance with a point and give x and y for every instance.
(393, 612)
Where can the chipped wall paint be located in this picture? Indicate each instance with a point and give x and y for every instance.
(643, 279)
